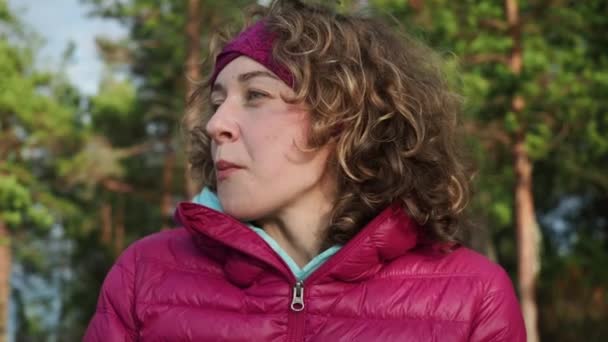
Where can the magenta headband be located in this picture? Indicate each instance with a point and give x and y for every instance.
(256, 43)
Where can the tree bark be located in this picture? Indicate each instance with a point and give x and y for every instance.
(527, 230)
(417, 5)
(193, 74)
(528, 238)
(5, 276)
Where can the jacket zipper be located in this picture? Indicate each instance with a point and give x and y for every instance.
(297, 308)
(296, 313)
(297, 301)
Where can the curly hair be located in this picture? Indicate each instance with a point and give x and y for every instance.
(382, 99)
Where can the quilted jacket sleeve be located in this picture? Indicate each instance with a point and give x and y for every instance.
(499, 316)
(114, 319)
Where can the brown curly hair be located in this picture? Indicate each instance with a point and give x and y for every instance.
(382, 98)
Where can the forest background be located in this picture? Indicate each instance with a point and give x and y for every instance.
(83, 174)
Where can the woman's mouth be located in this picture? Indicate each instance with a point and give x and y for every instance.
(223, 169)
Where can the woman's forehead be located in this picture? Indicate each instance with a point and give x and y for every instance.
(243, 69)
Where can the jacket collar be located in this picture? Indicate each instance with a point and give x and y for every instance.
(245, 255)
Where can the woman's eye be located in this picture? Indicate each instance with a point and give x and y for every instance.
(215, 106)
(254, 95)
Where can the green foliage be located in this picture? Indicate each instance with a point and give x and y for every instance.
(31, 123)
(90, 166)
(17, 207)
(4, 12)
(115, 99)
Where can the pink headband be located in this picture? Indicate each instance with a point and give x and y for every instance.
(256, 43)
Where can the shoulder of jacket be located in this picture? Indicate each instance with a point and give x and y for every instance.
(160, 240)
(461, 262)
(465, 260)
(161, 245)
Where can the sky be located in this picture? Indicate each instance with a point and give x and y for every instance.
(62, 21)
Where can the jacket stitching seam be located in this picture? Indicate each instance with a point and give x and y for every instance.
(127, 329)
(175, 267)
(133, 308)
(209, 309)
(436, 275)
(391, 319)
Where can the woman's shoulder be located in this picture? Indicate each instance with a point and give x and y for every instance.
(171, 246)
(162, 240)
(486, 286)
(461, 262)
(463, 278)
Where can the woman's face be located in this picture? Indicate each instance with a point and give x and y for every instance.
(259, 133)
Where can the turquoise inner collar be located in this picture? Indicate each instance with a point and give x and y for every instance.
(210, 200)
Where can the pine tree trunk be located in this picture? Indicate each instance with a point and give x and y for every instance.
(417, 5)
(528, 238)
(528, 233)
(5, 274)
(193, 73)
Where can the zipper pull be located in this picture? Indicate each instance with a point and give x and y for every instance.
(297, 303)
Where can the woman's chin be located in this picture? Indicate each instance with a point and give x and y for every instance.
(241, 212)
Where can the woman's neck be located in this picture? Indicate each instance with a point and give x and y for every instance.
(299, 228)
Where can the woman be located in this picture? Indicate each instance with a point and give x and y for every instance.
(332, 201)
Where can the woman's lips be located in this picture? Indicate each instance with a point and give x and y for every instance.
(223, 174)
(223, 169)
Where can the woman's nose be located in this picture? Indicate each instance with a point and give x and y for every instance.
(222, 126)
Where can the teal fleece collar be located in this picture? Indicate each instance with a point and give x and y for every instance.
(210, 200)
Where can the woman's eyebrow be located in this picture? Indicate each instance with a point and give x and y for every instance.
(258, 73)
(219, 88)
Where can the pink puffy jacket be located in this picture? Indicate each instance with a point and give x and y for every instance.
(217, 280)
